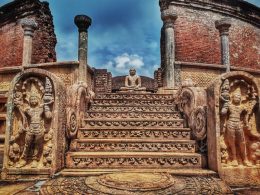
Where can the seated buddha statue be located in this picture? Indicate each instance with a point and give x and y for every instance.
(132, 82)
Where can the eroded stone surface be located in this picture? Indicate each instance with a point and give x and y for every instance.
(136, 183)
(239, 133)
(233, 117)
(133, 130)
(35, 141)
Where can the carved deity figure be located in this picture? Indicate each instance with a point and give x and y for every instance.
(234, 129)
(34, 113)
(237, 129)
(132, 82)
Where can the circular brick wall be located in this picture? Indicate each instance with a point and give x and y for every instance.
(197, 39)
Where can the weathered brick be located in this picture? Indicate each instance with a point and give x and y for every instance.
(11, 32)
(197, 39)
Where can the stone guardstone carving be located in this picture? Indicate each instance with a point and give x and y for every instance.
(33, 101)
(35, 134)
(239, 99)
(79, 96)
(132, 82)
(234, 122)
(192, 102)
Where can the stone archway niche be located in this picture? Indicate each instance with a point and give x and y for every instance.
(36, 126)
(233, 128)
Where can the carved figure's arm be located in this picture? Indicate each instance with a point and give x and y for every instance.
(224, 109)
(47, 112)
(126, 81)
(22, 127)
(139, 82)
(48, 100)
(252, 104)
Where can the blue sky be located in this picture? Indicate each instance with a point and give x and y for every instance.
(124, 33)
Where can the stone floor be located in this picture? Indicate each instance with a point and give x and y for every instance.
(126, 184)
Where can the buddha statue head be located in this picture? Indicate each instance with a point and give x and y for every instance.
(132, 72)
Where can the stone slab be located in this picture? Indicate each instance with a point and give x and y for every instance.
(136, 183)
(46, 187)
(129, 145)
(241, 176)
(180, 172)
(132, 96)
(9, 188)
(136, 133)
(133, 160)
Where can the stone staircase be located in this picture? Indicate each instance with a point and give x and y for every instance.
(133, 131)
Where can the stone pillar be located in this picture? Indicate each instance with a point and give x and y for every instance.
(82, 22)
(169, 18)
(223, 26)
(29, 26)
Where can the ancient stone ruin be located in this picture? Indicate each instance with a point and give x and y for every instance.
(192, 129)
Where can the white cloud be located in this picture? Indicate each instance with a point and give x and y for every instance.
(121, 61)
(121, 64)
(126, 61)
(109, 66)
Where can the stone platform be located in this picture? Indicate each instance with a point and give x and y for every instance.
(127, 183)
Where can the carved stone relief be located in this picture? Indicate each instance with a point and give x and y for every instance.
(66, 78)
(192, 104)
(79, 97)
(4, 86)
(33, 100)
(144, 162)
(128, 134)
(239, 135)
(201, 77)
(233, 128)
(136, 183)
(35, 132)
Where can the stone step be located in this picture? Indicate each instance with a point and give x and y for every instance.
(134, 102)
(180, 172)
(130, 145)
(133, 96)
(136, 133)
(132, 160)
(106, 108)
(129, 123)
(133, 115)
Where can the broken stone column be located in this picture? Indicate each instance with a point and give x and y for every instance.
(82, 22)
(169, 18)
(223, 26)
(29, 26)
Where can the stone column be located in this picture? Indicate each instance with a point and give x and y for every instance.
(82, 22)
(169, 18)
(223, 26)
(29, 26)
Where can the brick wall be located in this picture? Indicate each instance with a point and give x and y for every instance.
(158, 78)
(197, 39)
(11, 33)
(102, 81)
